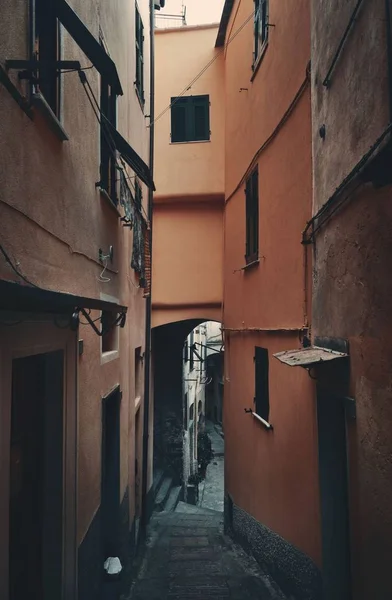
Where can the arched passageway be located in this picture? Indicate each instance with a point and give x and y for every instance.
(186, 372)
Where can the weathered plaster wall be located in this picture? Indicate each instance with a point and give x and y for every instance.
(54, 220)
(352, 292)
(352, 257)
(354, 108)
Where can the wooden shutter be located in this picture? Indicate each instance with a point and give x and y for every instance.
(201, 118)
(261, 382)
(139, 39)
(179, 120)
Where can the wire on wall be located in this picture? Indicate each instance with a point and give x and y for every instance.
(204, 69)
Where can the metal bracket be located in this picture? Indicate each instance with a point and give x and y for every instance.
(118, 322)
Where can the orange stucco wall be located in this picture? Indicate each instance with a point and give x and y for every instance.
(189, 177)
(188, 168)
(271, 475)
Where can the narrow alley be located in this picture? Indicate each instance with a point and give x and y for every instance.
(189, 557)
(195, 299)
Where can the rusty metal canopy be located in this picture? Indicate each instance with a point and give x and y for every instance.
(308, 357)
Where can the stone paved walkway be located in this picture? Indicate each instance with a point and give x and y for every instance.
(189, 558)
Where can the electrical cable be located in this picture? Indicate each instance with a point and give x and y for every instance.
(15, 269)
(109, 139)
(207, 66)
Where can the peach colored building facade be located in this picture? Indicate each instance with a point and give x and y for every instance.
(59, 221)
(263, 117)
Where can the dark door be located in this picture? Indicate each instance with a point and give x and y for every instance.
(36, 474)
(334, 497)
(110, 492)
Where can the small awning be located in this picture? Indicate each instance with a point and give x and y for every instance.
(129, 155)
(17, 297)
(88, 44)
(308, 357)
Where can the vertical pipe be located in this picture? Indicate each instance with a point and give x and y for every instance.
(389, 54)
(147, 361)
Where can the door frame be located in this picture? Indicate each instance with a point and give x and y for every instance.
(22, 340)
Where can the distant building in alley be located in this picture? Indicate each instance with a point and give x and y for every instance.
(74, 181)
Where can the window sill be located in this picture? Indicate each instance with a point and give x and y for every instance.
(258, 61)
(259, 419)
(104, 195)
(109, 356)
(251, 263)
(191, 142)
(39, 102)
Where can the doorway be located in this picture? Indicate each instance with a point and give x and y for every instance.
(333, 467)
(110, 482)
(36, 477)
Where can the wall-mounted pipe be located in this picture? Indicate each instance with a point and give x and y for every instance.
(147, 364)
(389, 53)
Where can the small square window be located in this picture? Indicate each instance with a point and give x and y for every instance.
(190, 119)
(252, 217)
(109, 331)
(261, 383)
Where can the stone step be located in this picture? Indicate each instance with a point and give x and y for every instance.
(173, 499)
(163, 494)
(190, 509)
(158, 477)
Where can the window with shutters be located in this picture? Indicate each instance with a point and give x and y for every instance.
(190, 119)
(261, 383)
(139, 42)
(46, 33)
(252, 217)
(108, 153)
(260, 29)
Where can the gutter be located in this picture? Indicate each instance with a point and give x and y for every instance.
(147, 362)
(389, 54)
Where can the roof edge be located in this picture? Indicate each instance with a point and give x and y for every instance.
(186, 28)
(227, 8)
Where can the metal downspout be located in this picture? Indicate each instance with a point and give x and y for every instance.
(147, 359)
(389, 54)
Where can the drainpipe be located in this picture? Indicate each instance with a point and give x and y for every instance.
(147, 359)
(389, 54)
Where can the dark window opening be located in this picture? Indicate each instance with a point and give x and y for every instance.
(46, 33)
(191, 357)
(110, 331)
(138, 195)
(261, 27)
(190, 119)
(138, 372)
(261, 383)
(186, 351)
(108, 153)
(139, 42)
(252, 217)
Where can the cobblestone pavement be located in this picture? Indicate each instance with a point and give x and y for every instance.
(189, 558)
